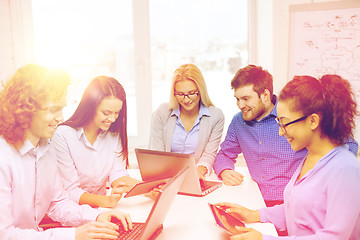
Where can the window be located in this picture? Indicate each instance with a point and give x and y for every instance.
(91, 38)
(212, 34)
(88, 39)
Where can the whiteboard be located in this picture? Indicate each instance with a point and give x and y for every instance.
(325, 39)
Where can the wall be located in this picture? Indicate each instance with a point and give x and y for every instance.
(281, 38)
(261, 33)
(280, 25)
(5, 41)
(16, 42)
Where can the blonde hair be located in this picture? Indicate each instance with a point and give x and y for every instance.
(23, 95)
(192, 73)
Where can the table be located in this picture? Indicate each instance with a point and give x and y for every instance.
(190, 217)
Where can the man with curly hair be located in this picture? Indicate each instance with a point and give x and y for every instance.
(31, 106)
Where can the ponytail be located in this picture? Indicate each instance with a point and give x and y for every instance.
(330, 97)
(339, 116)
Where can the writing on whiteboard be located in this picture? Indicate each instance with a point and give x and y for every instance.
(327, 42)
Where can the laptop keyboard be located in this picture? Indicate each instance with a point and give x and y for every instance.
(129, 235)
(205, 184)
(208, 186)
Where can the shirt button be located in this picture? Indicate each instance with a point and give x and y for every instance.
(260, 142)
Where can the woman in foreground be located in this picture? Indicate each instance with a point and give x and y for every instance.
(322, 200)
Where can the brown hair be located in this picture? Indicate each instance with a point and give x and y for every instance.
(253, 75)
(99, 88)
(331, 97)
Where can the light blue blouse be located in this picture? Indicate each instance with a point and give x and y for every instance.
(183, 141)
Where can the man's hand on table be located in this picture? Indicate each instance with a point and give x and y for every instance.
(231, 177)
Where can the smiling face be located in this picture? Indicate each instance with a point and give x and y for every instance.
(107, 112)
(298, 134)
(251, 105)
(191, 101)
(46, 120)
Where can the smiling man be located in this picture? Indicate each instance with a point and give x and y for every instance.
(255, 133)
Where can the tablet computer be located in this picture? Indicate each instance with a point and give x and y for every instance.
(218, 213)
(145, 187)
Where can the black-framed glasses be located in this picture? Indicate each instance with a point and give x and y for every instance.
(282, 126)
(191, 95)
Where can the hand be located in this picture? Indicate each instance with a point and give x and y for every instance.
(126, 182)
(155, 191)
(111, 200)
(246, 234)
(242, 213)
(231, 177)
(201, 171)
(120, 188)
(118, 216)
(97, 230)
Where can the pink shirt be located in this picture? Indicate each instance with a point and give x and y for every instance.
(323, 204)
(84, 167)
(29, 188)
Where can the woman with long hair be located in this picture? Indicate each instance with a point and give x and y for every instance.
(190, 123)
(92, 145)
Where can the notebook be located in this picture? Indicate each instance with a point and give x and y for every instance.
(156, 165)
(154, 223)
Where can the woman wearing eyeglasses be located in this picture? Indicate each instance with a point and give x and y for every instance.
(92, 145)
(190, 123)
(322, 199)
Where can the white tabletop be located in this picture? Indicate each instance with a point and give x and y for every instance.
(190, 217)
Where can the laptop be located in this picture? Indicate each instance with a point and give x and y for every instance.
(154, 223)
(157, 165)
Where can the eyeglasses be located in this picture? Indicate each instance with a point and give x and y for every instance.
(282, 126)
(192, 95)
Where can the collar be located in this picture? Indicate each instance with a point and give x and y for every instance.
(274, 100)
(27, 147)
(80, 133)
(203, 111)
(273, 113)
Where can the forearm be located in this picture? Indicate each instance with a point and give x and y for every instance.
(95, 200)
(222, 163)
(125, 180)
(253, 217)
(274, 215)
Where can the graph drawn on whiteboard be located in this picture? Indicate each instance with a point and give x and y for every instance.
(326, 42)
